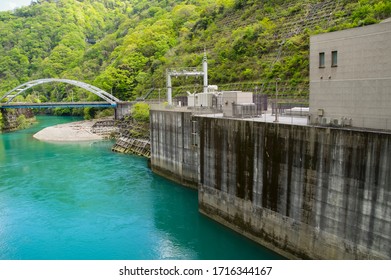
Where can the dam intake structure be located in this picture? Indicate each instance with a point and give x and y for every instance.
(306, 192)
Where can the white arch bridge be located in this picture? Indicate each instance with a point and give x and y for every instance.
(121, 107)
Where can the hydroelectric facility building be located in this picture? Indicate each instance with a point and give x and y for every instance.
(316, 190)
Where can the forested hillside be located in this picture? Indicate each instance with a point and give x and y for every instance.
(125, 47)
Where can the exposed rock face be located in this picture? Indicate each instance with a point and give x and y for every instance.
(10, 118)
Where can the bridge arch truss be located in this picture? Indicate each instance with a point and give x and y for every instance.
(95, 90)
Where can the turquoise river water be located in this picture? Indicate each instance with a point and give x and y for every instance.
(78, 201)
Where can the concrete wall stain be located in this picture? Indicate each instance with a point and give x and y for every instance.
(289, 175)
(218, 142)
(271, 168)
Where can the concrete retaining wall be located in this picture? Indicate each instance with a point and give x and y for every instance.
(305, 192)
(173, 155)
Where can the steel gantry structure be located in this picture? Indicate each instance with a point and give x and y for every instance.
(187, 72)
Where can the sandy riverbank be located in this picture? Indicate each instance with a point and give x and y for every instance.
(74, 131)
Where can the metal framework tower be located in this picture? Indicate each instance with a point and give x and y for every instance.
(187, 72)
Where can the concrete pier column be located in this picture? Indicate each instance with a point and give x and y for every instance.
(122, 109)
(169, 89)
(205, 71)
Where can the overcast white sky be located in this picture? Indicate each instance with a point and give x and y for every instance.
(6, 5)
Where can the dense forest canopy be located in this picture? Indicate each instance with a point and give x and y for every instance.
(125, 46)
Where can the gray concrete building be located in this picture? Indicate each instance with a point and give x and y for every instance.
(350, 77)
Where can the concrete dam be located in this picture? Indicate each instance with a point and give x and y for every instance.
(306, 192)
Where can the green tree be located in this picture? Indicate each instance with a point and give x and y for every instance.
(1, 121)
(140, 112)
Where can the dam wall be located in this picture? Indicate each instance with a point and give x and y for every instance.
(173, 153)
(305, 192)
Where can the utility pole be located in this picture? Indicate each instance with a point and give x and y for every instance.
(205, 72)
(276, 102)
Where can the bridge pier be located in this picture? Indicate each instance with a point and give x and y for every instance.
(122, 109)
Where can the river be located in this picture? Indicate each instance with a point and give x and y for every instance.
(78, 201)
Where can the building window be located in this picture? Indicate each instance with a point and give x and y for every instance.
(321, 60)
(334, 59)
